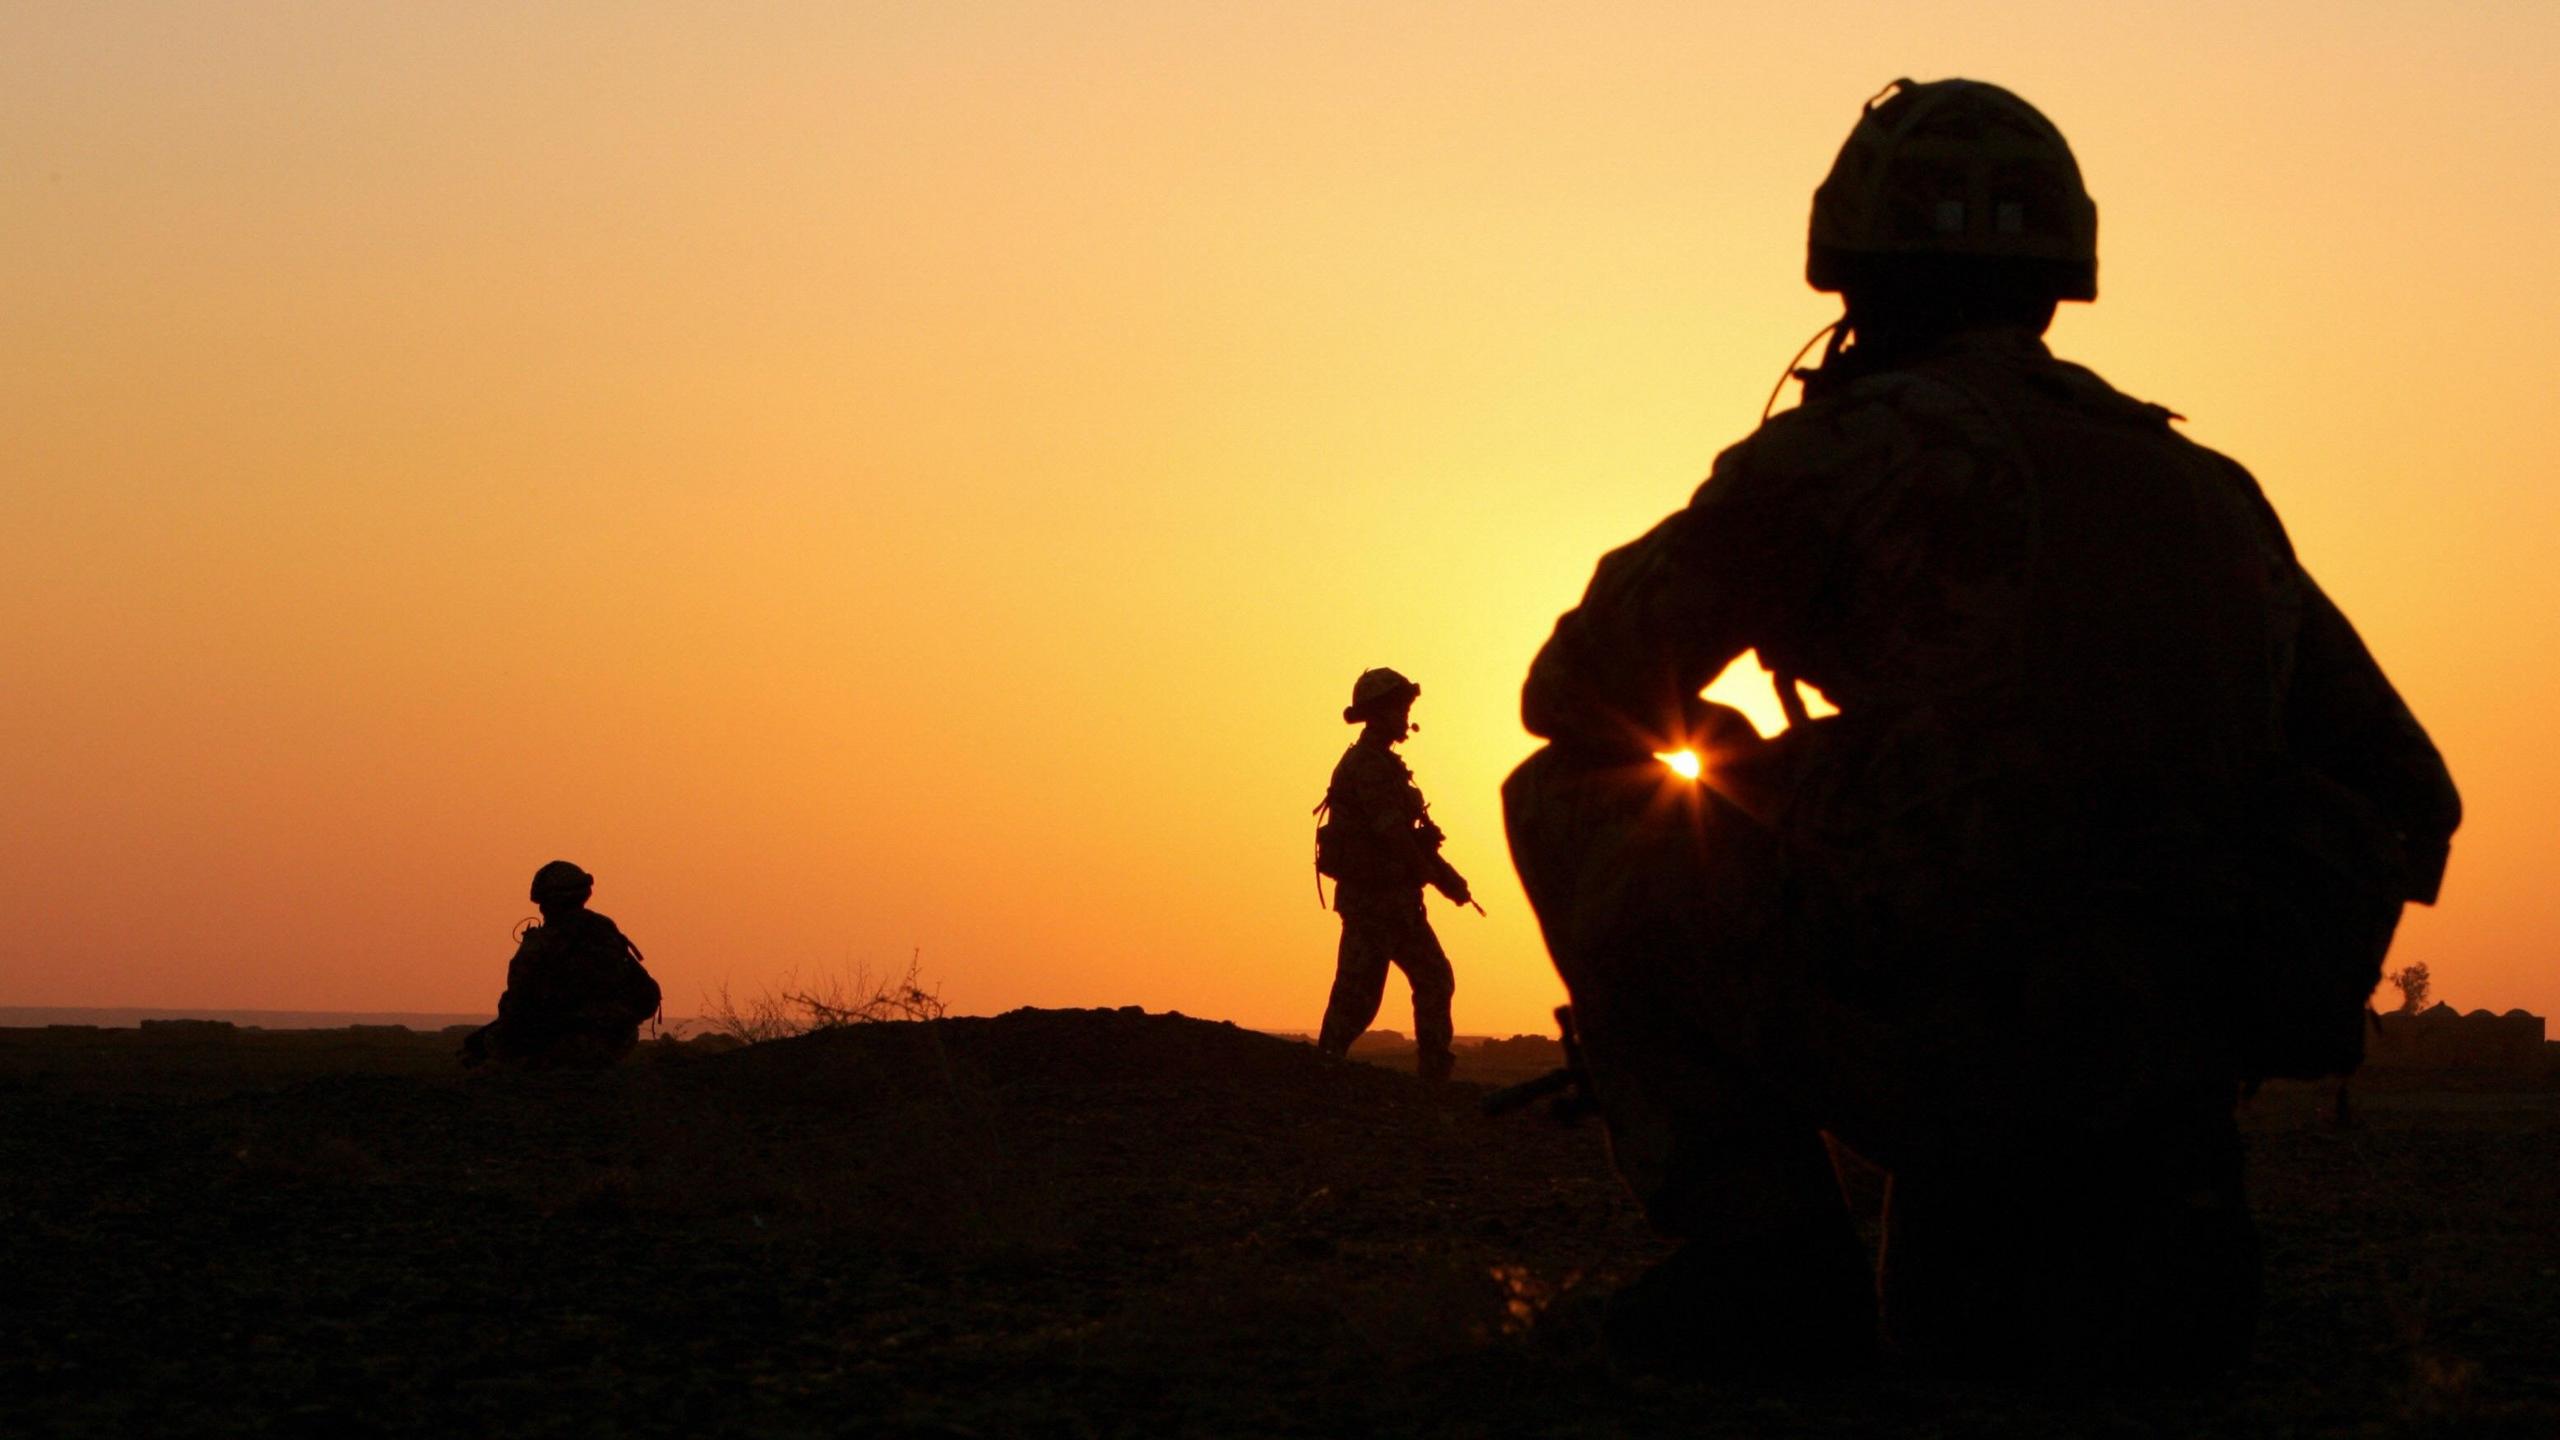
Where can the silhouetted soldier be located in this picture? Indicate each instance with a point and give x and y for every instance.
(1379, 845)
(2117, 814)
(577, 992)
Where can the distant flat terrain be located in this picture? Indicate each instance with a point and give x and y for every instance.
(1057, 1223)
(36, 1016)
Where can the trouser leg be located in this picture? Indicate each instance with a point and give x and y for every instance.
(1426, 968)
(2127, 1253)
(1659, 907)
(2091, 1219)
(1359, 983)
(1785, 1284)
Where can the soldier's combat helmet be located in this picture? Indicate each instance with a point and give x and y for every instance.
(561, 883)
(1954, 170)
(1376, 692)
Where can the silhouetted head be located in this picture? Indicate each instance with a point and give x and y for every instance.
(1954, 204)
(1382, 700)
(561, 886)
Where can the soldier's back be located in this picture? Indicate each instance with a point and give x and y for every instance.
(2034, 583)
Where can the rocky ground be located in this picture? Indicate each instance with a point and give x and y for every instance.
(1057, 1223)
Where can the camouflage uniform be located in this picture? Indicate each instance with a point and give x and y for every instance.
(2106, 756)
(1372, 796)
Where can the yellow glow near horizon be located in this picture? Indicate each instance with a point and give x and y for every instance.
(688, 440)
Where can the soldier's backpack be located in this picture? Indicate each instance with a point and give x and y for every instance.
(637, 988)
(612, 978)
(1347, 852)
(1331, 841)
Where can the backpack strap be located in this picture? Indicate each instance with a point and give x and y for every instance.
(1317, 859)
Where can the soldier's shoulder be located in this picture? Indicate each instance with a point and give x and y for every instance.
(2091, 393)
(1369, 762)
(1967, 398)
(594, 927)
(2085, 389)
(1847, 436)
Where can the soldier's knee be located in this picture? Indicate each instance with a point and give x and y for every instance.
(1527, 777)
(1531, 793)
(1426, 968)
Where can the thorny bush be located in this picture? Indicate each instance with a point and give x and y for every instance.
(795, 1008)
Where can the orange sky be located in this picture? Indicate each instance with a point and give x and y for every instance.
(865, 479)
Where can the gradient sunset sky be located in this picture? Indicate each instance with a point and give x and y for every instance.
(868, 479)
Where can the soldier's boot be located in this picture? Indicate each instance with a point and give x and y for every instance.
(1771, 1278)
(1332, 1041)
(1800, 1303)
(1432, 1033)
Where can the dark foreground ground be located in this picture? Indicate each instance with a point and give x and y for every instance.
(1055, 1223)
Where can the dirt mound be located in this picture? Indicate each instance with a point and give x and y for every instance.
(1042, 1126)
(1072, 1058)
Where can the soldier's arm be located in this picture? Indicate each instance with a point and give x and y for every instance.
(544, 978)
(1444, 877)
(523, 972)
(1426, 838)
(2344, 719)
(1663, 615)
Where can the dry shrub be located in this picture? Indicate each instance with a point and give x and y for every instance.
(831, 1001)
(751, 1022)
(2415, 985)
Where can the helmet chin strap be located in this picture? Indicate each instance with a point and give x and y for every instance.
(1838, 330)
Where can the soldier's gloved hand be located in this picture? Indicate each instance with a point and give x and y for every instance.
(1710, 726)
(1454, 885)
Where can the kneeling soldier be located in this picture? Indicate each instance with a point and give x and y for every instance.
(576, 990)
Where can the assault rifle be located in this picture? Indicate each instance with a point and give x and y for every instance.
(1570, 1086)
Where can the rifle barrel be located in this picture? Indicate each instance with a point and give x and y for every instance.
(1527, 1092)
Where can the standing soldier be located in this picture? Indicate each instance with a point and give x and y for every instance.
(2099, 735)
(1378, 844)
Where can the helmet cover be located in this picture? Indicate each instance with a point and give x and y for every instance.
(1377, 690)
(560, 882)
(1955, 168)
